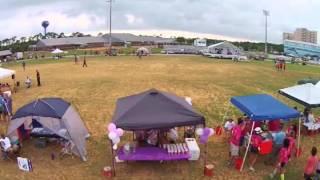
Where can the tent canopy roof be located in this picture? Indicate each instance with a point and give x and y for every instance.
(263, 107)
(305, 94)
(154, 109)
(6, 73)
(45, 107)
(57, 51)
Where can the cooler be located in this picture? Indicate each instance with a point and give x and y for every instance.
(194, 150)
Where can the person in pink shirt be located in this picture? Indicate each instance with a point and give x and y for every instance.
(235, 141)
(274, 125)
(311, 165)
(292, 145)
(256, 140)
(283, 159)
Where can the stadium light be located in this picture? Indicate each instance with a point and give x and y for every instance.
(110, 25)
(266, 14)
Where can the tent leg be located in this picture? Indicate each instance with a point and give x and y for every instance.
(249, 142)
(299, 133)
(113, 163)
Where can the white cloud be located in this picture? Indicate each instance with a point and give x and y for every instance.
(237, 19)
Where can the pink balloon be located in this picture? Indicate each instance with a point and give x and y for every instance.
(211, 132)
(112, 127)
(119, 132)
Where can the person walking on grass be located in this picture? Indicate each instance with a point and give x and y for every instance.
(38, 78)
(311, 165)
(84, 60)
(24, 65)
(235, 141)
(283, 159)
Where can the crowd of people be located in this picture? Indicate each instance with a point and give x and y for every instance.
(280, 64)
(283, 144)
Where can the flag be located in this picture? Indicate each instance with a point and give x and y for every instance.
(266, 13)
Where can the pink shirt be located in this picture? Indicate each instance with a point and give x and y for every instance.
(256, 140)
(274, 125)
(283, 155)
(311, 165)
(292, 144)
(236, 135)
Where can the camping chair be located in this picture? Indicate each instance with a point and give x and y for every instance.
(67, 149)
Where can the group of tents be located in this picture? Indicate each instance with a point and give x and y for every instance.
(153, 109)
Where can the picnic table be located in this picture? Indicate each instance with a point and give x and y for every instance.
(151, 154)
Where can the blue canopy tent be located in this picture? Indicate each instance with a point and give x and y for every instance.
(262, 107)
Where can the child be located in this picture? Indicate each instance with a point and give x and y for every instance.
(282, 160)
(292, 145)
(318, 171)
(229, 125)
(311, 165)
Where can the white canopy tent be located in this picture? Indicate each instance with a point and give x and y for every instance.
(305, 94)
(57, 51)
(4, 73)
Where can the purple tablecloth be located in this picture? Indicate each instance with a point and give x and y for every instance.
(150, 154)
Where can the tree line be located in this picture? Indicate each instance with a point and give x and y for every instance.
(21, 44)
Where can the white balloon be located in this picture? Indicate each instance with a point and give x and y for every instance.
(199, 131)
(115, 147)
(211, 132)
(112, 135)
(116, 140)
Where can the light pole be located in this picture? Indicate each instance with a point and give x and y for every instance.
(266, 14)
(110, 25)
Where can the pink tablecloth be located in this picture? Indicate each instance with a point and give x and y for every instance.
(151, 154)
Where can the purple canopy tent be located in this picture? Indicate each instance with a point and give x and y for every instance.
(154, 109)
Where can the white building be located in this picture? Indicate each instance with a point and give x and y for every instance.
(224, 48)
(200, 42)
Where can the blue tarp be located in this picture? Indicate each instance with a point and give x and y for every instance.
(263, 107)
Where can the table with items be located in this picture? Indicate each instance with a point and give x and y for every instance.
(188, 150)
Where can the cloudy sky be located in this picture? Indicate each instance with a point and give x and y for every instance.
(222, 19)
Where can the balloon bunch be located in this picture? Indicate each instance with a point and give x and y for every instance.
(204, 134)
(114, 135)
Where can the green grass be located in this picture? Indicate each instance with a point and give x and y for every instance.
(94, 91)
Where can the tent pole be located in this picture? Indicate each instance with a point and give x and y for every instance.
(299, 133)
(112, 156)
(249, 142)
(205, 152)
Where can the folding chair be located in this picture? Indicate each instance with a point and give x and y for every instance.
(67, 149)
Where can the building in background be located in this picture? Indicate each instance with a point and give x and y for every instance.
(200, 42)
(118, 40)
(5, 54)
(301, 49)
(303, 35)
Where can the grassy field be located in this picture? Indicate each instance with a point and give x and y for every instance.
(94, 91)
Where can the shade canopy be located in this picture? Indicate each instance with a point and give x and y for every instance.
(45, 107)
(4, 73)
(305, 94)
(57, 117)
(263, 107)
(154, 109)
(57, 51)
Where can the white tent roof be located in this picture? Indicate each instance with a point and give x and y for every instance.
(6, 73)
(306, 94)
(57, 51)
